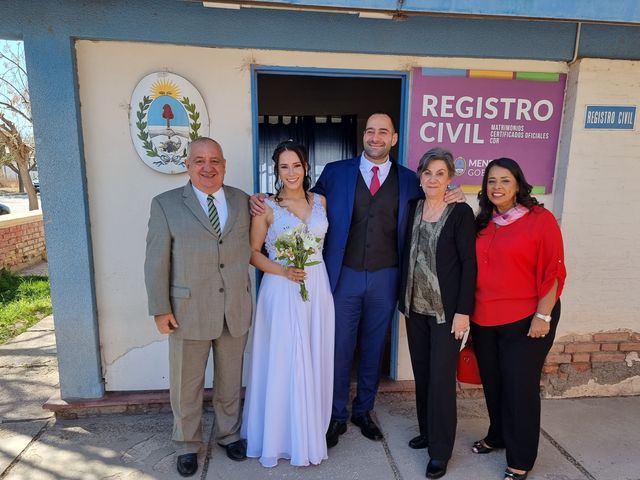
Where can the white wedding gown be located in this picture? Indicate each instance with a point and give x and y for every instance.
(289, 392)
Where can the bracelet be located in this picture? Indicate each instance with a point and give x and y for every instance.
(541, 316)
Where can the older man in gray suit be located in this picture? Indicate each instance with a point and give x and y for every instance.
(196, 273)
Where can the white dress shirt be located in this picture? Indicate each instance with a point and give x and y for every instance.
(365, 169)
(219, 201)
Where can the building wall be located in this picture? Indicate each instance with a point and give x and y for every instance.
(49, 32)
(120, 186)
(21, 240)
(599, 222)
(596, 351)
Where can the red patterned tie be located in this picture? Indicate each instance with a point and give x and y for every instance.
(375, 181)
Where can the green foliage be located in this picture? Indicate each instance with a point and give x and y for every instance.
(23, 302)
(143, 135)
(194, 116)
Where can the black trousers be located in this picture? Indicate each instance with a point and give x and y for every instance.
(434, 354)
(510, 366)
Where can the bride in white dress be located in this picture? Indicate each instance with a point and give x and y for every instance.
(289, 392)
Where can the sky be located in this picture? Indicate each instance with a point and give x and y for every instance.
(11, 49)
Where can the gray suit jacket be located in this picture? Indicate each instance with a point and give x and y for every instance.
(189, 271)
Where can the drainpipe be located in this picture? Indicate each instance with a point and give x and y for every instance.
(576, 45)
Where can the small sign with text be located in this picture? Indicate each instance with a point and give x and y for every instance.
(610, 117)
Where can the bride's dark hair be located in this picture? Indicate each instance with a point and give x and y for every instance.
(301, 152)
(523, 195)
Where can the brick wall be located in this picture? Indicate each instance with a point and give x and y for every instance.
(21, 240)
(598, 364)
(586, 365)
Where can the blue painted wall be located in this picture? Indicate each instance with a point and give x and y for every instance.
(180, 22)
(50, 64)
(583, 10)
(49, 29)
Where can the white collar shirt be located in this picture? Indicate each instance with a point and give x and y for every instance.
(365, 169)
(219, 201)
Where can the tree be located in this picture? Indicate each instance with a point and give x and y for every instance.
(16, 126)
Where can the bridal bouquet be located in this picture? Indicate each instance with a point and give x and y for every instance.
(294, 247)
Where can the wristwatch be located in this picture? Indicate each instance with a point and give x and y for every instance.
(546, 318)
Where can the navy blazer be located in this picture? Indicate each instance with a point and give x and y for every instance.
(338, 184)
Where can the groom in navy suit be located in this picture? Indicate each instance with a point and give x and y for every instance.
(367, 199)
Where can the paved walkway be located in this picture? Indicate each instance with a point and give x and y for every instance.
(40, 268)
(582, 439)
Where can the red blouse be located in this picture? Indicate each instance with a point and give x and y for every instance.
(517, 265)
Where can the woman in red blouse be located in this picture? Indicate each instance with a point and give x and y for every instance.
(521, 273)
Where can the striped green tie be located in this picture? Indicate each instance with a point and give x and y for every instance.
(213, 214)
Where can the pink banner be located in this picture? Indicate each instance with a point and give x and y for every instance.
(482, 115)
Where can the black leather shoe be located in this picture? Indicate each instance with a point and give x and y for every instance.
(236, 450)
(187, 464)
(367, 426)
(336, 428)
(419, 442)
(436, 468)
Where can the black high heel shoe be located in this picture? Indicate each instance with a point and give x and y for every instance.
(510, 475)
(481, 447)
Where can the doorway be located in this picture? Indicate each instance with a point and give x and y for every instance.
(326, 113)
(325, 110)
